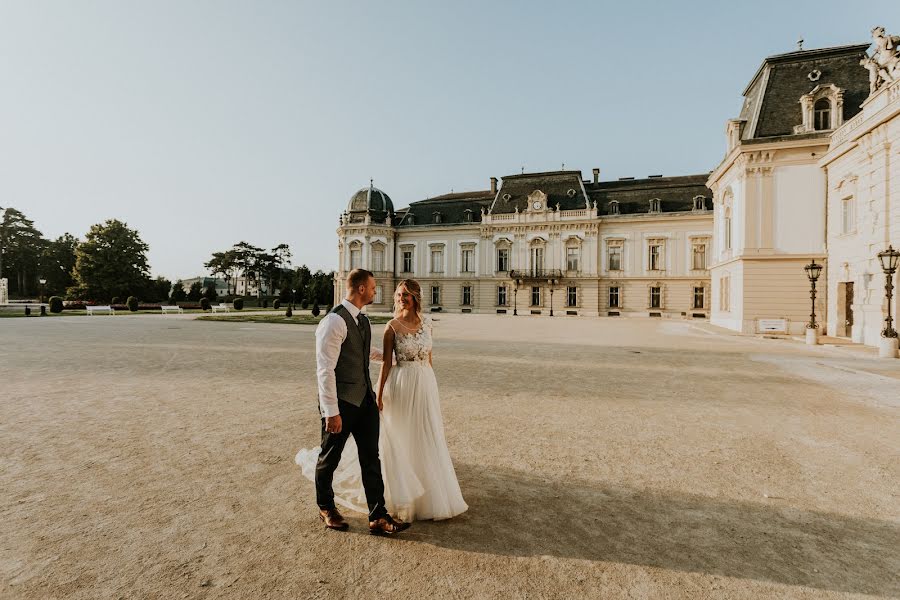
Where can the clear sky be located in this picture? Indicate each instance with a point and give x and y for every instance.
(204, 123)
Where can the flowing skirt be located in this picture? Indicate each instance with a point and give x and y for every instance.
(419, 478)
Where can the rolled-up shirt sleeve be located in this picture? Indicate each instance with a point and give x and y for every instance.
(329, 336)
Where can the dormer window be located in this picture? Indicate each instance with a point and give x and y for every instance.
(410, 219)
(822, 114)
(469, 215)
(699, 203)
(614, 207)
(437, 217)
(822, 109)
(654, 205)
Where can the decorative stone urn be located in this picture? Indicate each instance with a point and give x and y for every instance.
(812, 336)
(887, 347)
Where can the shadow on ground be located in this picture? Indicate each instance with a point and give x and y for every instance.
(516, 514)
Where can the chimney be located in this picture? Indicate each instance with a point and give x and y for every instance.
(494, 185)
(596, 175)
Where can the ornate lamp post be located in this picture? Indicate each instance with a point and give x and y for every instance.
(43, 282)
(889, 259)
(552, 282)
(516, 298)
(812, 328)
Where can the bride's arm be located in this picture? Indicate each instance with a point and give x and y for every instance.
(387, 364)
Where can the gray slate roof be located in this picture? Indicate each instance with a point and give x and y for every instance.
(779, 82)
(513, 194)
(452, 208)
(676, 194)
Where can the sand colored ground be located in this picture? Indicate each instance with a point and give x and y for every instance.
(151, 457)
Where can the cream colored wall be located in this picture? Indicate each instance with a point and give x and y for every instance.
(863, 164)
(798, 219)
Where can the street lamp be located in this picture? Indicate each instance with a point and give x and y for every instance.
(516, 298)
(889, 259)
(552, 283)
(42, 281)
(812, 272)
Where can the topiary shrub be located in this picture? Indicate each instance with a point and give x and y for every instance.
(132, 303)
(204, 303)
(316, 310)
(238, 304)
(115, 300)
(304, 304)
(288, 312)
(276, 304)
(56, 304)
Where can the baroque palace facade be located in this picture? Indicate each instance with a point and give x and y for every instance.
(811, 171)
(541, 243)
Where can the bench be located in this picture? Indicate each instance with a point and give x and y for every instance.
(220, 307)
(166, 309)
(99, 309)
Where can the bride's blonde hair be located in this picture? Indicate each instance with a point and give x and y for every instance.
(415, 290)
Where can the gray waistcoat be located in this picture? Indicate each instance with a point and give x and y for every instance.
(352, 370)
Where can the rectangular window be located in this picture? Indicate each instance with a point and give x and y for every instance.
(468, 261)
(503, 259)
(435, 294)
(655, 256)
(535, 296)
(572, 259)
(727, 232)
(655, 297)
(501, 295)
(614, 253)
(437, 261)
(614, 297)
(355, 258)
(699, 254)
(467, 295)
(537, 260)
(377, 259)
(699, 297)
(572, 296)
(848, 216)
(379, 292)
(407, 261)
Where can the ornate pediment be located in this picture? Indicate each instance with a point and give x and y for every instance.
(537, 201)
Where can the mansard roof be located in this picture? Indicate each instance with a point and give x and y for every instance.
(676, 194)
(452, 209)
(772, 98)
(562, 187)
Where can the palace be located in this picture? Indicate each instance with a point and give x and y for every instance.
(807, 175)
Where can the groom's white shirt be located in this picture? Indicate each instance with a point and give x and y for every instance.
(330, 334)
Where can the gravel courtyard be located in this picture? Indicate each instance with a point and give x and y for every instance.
(152, 457)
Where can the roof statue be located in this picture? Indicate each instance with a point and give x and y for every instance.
(884, 64)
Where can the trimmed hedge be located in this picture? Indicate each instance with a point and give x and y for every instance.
(204, 303)
(276, 304)
(132, 303)
(238, 304)
(56, 304)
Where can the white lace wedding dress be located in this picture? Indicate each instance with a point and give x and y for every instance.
(419, 479)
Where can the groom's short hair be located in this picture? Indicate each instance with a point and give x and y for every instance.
(358, 277)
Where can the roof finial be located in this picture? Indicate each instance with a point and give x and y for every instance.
(563, 167)
(800, 44)
(523, 169)
(371, 182)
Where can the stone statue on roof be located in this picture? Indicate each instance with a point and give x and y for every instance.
(884, 63)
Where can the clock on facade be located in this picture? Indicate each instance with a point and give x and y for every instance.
(536, 205)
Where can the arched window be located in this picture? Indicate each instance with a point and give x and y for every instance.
(822, 114)
(728, 228)
(614, 207)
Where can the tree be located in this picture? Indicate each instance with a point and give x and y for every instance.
(21, 246)
(178, 294)
(224, 264)
(112, 261)
(57, 263)
(246, 261)
(158, 290)
(209, 292)
(196, 292)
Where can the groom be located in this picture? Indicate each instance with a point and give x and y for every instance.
(347, 404)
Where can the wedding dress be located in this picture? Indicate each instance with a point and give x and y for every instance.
(419, 478)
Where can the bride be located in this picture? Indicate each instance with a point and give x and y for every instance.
(419, 479)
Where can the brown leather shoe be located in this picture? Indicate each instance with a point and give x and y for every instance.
(333, 519)
(387, 525)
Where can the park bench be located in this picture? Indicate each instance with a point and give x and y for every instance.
(99, 309)
(220, 307)
(166, 309)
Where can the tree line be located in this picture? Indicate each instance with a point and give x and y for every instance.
(111, 262)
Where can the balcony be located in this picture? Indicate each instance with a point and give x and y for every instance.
(548, 275)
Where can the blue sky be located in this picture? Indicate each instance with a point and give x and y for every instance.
(205, 123)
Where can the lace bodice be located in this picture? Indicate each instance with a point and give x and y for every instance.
(413, 347)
